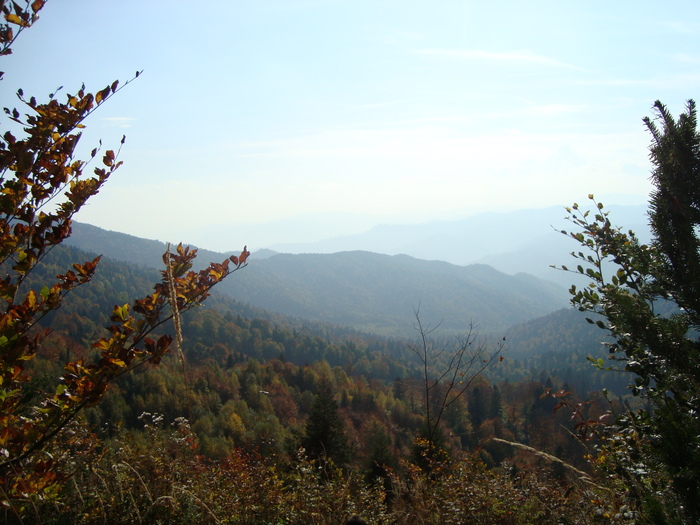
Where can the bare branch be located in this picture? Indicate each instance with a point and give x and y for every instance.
(454, 367)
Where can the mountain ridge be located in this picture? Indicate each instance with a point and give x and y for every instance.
(372, 292)
(527, 241)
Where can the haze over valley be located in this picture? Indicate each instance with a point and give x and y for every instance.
(499, 276)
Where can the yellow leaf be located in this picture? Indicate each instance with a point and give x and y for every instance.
(117, 362)
(30, 300)
(14, 19)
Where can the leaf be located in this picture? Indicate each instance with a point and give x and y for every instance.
(120, 313)
(102, 95)
(108, 158)
(30, 300)
(244, 256)
(14, 19)
(117, 362)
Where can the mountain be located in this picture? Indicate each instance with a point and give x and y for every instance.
(129, 248)
(378, 293)
(527, 241)
(558, 345)
(371, 292)
(363, 292)
(461, 241)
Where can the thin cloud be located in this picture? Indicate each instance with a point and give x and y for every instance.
(379, 104)
(523, 57)
(120, 122)
(554, 109)
(667, 82)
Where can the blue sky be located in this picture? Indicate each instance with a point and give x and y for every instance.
(277, 121)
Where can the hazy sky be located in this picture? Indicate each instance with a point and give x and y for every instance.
(251, 112)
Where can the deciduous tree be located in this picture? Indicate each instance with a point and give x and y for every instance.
(448, 370)
(42, 187)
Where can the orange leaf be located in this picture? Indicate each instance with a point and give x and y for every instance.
(244, 255)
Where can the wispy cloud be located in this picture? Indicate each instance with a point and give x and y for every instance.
(521, 56)
(120, 122)
(379, 104)
(658, 82)
(553, 109)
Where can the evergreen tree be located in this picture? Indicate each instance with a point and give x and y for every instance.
(381, 454)
(496, 407)
(477, 408)
(650, 303)
(325, 431)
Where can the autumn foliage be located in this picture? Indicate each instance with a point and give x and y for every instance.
(42, 187)
(277, 424)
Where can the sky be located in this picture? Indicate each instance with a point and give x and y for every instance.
(293, 120)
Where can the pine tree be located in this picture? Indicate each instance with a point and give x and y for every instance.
(650, 303)
(675, 218)
(325, 430)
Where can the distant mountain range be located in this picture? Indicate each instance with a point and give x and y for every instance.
(371, 292)
(377, 294)
(525, 241)
(492, 269)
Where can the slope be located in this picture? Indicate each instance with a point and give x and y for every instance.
(370, 292)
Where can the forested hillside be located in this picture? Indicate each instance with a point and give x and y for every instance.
(215, 329)
(251, 382)
(368, 291)
(226, 341)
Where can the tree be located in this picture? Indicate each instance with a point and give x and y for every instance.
(648, 298)
(42, 186)
(325, 430)
(448, 370)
